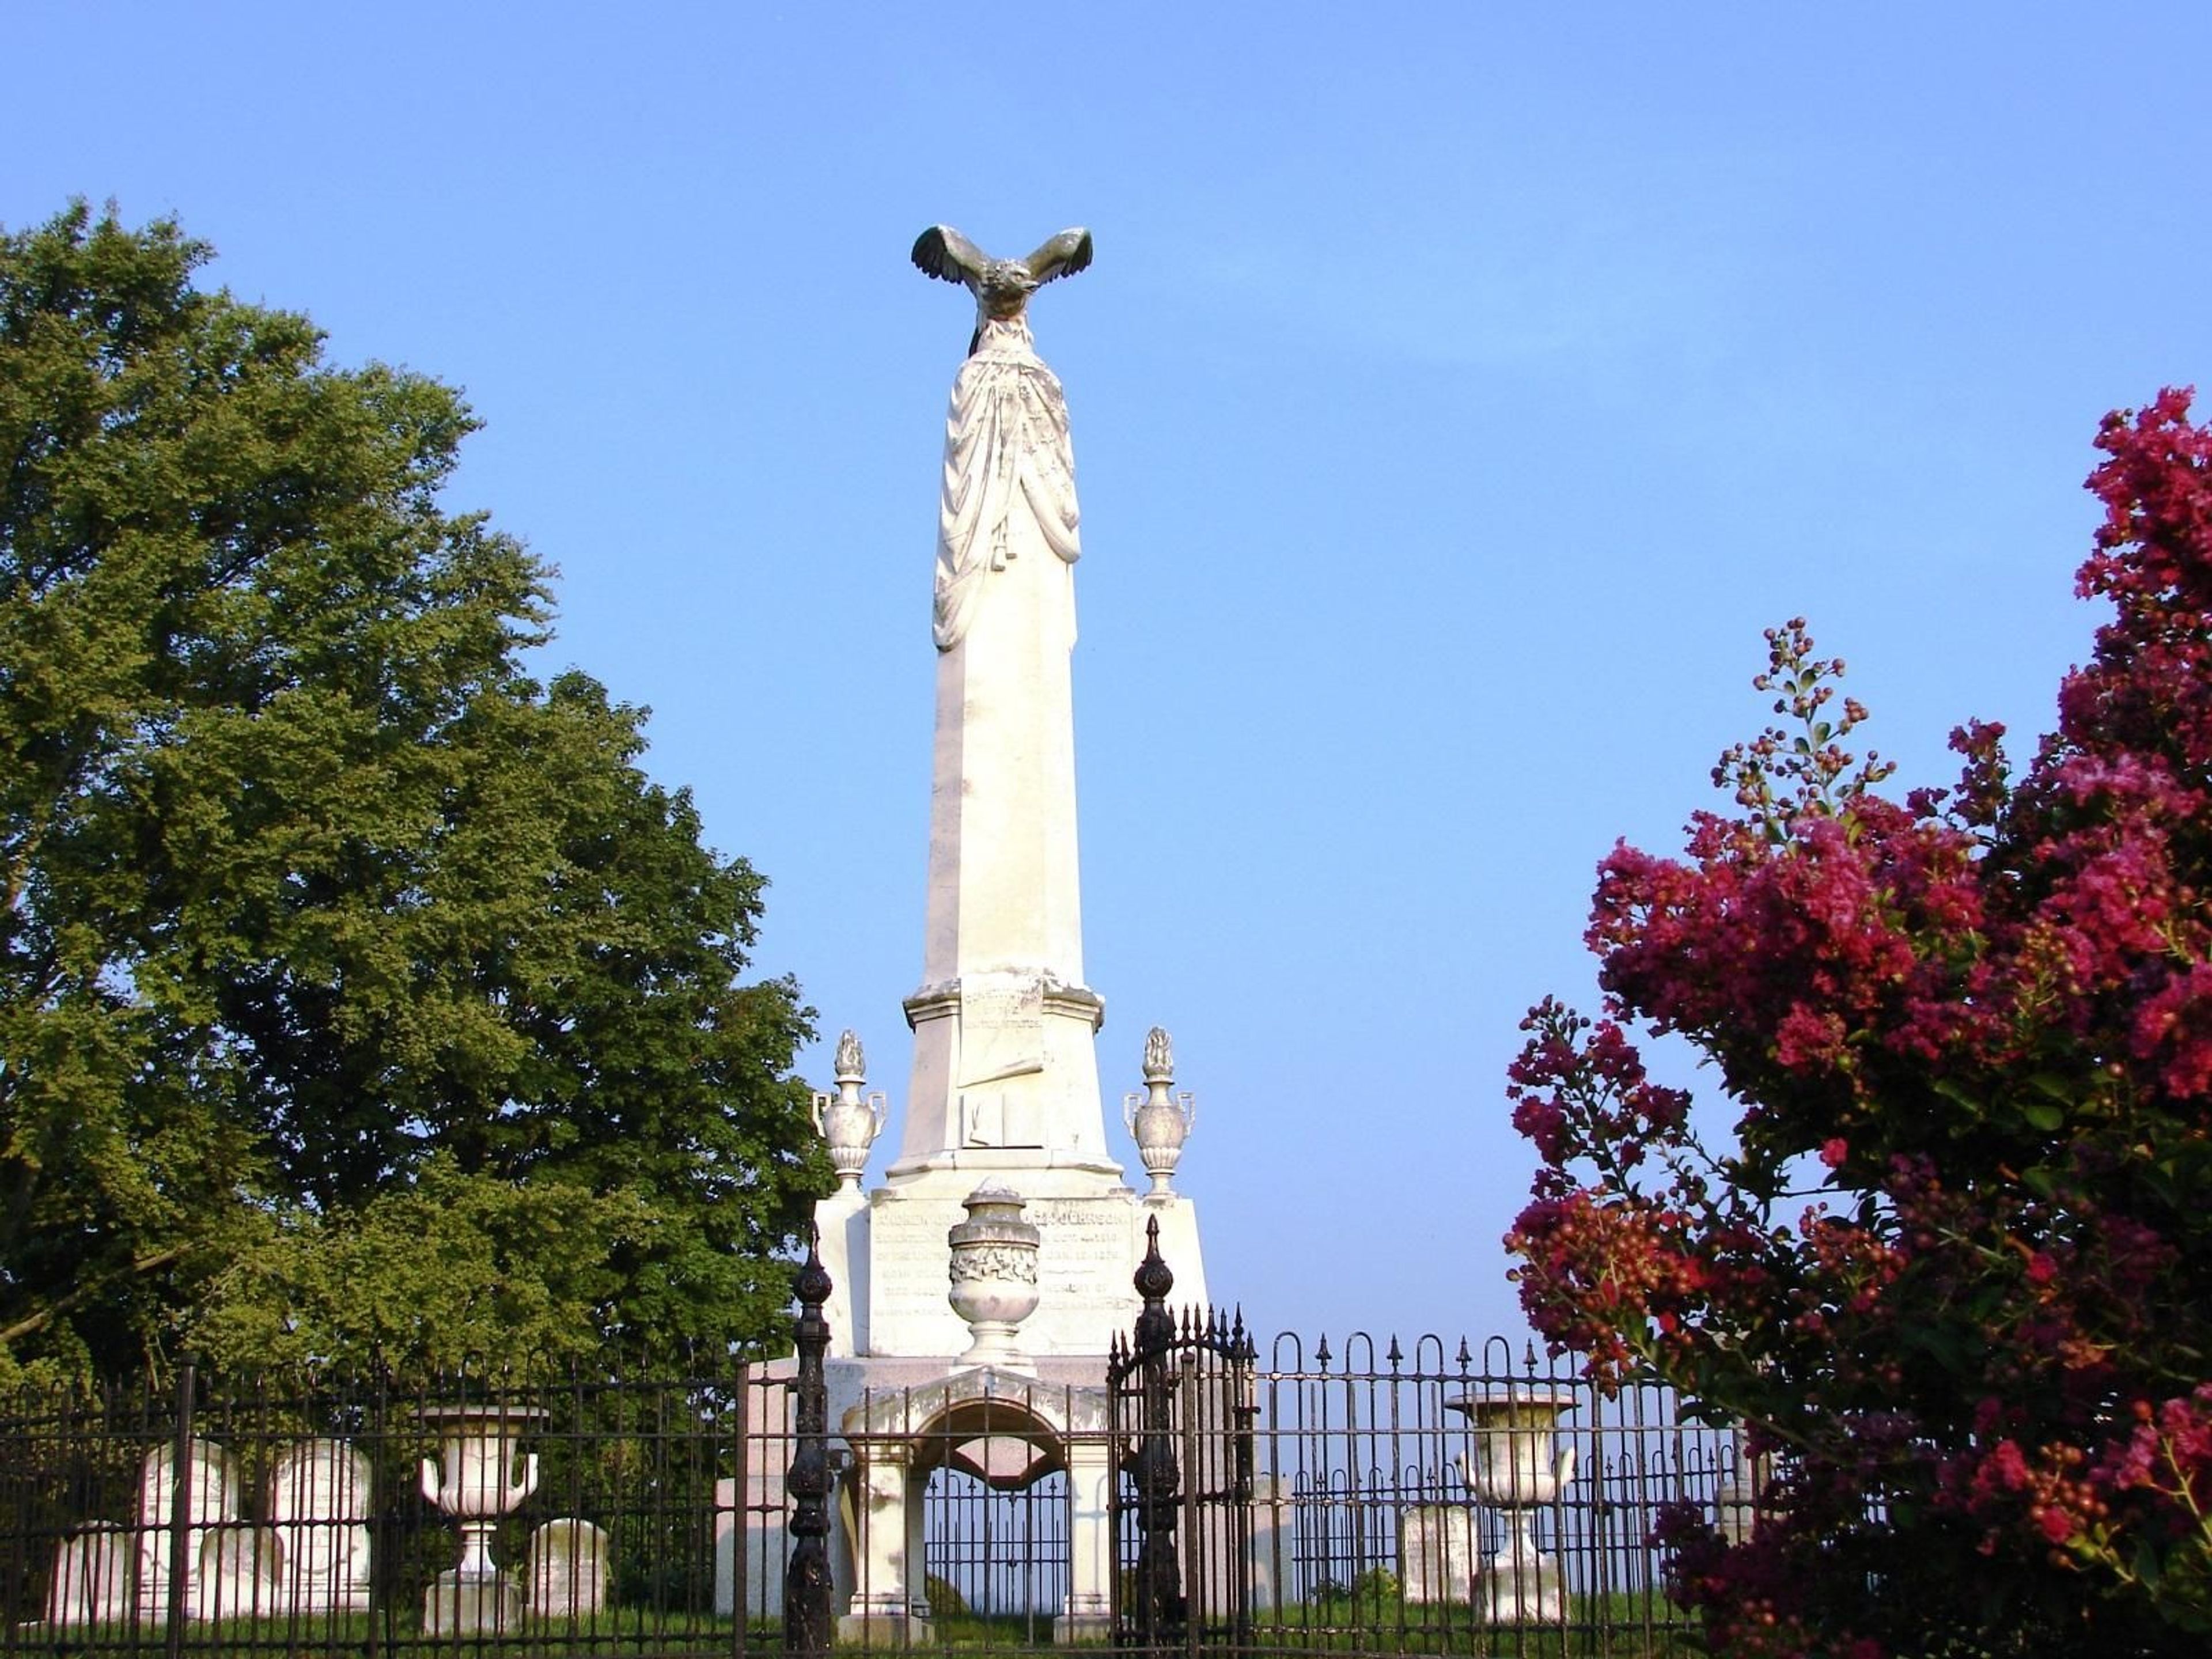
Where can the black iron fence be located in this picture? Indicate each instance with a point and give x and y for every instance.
(582, 1513)
(1450, 1499)
(1197, 1490)
(1435, 1501)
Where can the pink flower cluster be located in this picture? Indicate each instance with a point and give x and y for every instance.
(1950, 1261)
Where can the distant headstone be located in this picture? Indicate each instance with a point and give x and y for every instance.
(95, 1577)
(565, 1573)
(210, 1478)
(752, 1538)
(319, 1507)
(238, 1569)
(1436, 1558)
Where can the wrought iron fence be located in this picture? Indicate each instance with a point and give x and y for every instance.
(1450, 1499)
(1439, 1501)
(1430, 1499)
(586, 1513)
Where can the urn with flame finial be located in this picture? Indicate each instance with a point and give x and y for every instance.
(1158, 1121)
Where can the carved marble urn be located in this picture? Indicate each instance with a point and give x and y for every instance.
(479, 1474)
(847, 1123)
(994, 1273)
(1157, 1121)
(1517, 1469)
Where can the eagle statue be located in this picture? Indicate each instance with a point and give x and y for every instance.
(1002, 286)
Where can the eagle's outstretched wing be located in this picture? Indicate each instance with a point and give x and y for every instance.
(943, 252)
(1063, 256)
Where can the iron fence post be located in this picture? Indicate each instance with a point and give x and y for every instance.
(1159, 1583)
(806, 1582)
(180, 1504)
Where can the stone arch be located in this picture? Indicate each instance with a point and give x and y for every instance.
(1005, 1430)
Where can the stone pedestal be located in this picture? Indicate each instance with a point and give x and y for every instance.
(460, 1603)
(1087, 1614)
(889, 1603)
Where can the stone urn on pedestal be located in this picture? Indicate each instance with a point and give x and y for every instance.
(1514, 1470)
(479, 1474)
(1158, 1121)
(848, 1121)
(993, 1274)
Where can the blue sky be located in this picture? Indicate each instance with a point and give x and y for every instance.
(1458, 392)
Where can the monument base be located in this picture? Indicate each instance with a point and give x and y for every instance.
(467, 1604)
(1091, 1235)
(883, 1629)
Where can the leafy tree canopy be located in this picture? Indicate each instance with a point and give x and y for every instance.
(1952, 1271)
(358, 993)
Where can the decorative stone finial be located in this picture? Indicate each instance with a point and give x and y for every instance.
(1159, 1056)
(1158, 1122)
(849, 1123)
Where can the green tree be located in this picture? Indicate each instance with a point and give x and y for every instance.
(346, 970)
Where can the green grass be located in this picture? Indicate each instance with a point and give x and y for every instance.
(1601, 1628)
(618, 1632)
(1598, 1627)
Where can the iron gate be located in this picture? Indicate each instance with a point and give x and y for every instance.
(1181, 1409)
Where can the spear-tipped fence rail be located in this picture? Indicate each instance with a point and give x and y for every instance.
(1264, 1499)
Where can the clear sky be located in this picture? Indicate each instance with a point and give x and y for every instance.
(1458, 391)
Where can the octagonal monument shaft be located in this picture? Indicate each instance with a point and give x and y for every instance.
(1005, 1072)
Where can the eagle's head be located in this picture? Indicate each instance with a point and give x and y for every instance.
(1005, 287)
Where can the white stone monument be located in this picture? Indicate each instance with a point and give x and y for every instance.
(239, 1570)
(1005, 1082)
(1003, 1133)
(1438, 1557)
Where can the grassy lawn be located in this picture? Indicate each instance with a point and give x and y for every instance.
(1607, 1628)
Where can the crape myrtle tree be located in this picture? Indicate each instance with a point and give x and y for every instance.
(1953, 1270)
(360, 997)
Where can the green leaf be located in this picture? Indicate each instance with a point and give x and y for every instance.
(1958, 1095)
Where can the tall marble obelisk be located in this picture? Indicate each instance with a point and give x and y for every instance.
(1005, 1076)
(1005, 1084)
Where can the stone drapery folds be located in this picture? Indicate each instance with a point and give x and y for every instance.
(1009, 482)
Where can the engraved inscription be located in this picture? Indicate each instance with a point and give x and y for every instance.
(907, 1256)
(1001, 1034)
